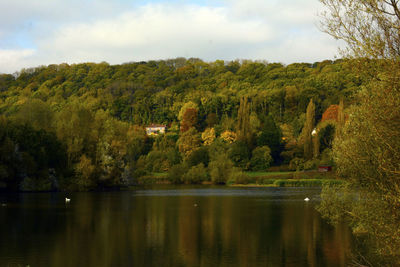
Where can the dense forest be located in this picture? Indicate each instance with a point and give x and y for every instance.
(82, 126)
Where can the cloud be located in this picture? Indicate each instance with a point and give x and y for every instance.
(273, 30)
(12, 59)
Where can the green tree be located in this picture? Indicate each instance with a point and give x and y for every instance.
(308, 129)
(189, 141)
(36, 113)
(261, 158)
(220, 169)
(239, 153)
(271, 136)
(243, 129)
(367, 149)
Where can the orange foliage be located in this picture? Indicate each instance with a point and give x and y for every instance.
(331, 113)
(189, 119)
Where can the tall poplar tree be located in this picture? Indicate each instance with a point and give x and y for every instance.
(243, 131)
(341, 119)
(307, 130)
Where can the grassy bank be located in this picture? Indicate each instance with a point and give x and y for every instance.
(292, 183)
(262, 179)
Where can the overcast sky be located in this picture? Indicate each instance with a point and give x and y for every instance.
(42, 32)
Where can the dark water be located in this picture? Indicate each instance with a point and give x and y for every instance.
(170, 226)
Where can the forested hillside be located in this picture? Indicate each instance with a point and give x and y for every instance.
(82, 126)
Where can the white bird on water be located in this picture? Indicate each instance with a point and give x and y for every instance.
(67, 200)
(306, 199)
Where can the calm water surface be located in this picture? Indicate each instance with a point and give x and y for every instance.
(170, 226)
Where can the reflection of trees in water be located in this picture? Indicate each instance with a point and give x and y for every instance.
(118, 229)
(375, 223)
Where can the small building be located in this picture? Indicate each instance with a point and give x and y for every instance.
(155, 129)
(324, 168)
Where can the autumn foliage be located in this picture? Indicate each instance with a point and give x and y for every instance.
(331, 113)
(189, 119)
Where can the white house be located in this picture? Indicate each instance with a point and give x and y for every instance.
(155, 129)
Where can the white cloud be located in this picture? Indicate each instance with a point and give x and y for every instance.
(274, 30)
(153, 31)
(10, 59)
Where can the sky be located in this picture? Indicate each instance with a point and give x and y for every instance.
(43, 32)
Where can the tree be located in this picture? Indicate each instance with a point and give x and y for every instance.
(189, 119)
(208, 136)
(331, 113)
(243, 129)
(340, 119)
(369, 28)
(228, 136)
(189, 141)
(308, 129)
(367, 149)
(36, 113)
(261, 158)
(271, 136)
(220, 169)
(239, 153)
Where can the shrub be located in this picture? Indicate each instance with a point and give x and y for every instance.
(311, 164)
(36, 184)
(261, 158)
(220, 169)
(238, 177)
(296, 164)
(196, 174)
(198, 156)
(176, 172)
(239, 153)
(327, 157)
(158, 161)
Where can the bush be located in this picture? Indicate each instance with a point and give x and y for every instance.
(176, 172)
(311, 164)
(239, 153)
(261, 158)
(327, 157)
(159, 161)
(198, 156)
(220, 169)
(238, 177)
(296, 164)
(35, 184)
(196, 174)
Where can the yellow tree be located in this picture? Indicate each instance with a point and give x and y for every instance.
(208, 136)
(189, 141)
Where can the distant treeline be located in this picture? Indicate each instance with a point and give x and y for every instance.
(81, 126)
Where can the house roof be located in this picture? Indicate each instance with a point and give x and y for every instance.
(156, 125)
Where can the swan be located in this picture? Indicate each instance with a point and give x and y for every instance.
(306, 199)
(67, 200)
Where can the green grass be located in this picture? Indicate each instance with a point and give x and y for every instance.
(291, 183)
(268, 174)
(305, 182)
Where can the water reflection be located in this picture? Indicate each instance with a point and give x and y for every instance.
(170, 227)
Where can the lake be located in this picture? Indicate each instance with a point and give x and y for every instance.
(170, 226)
